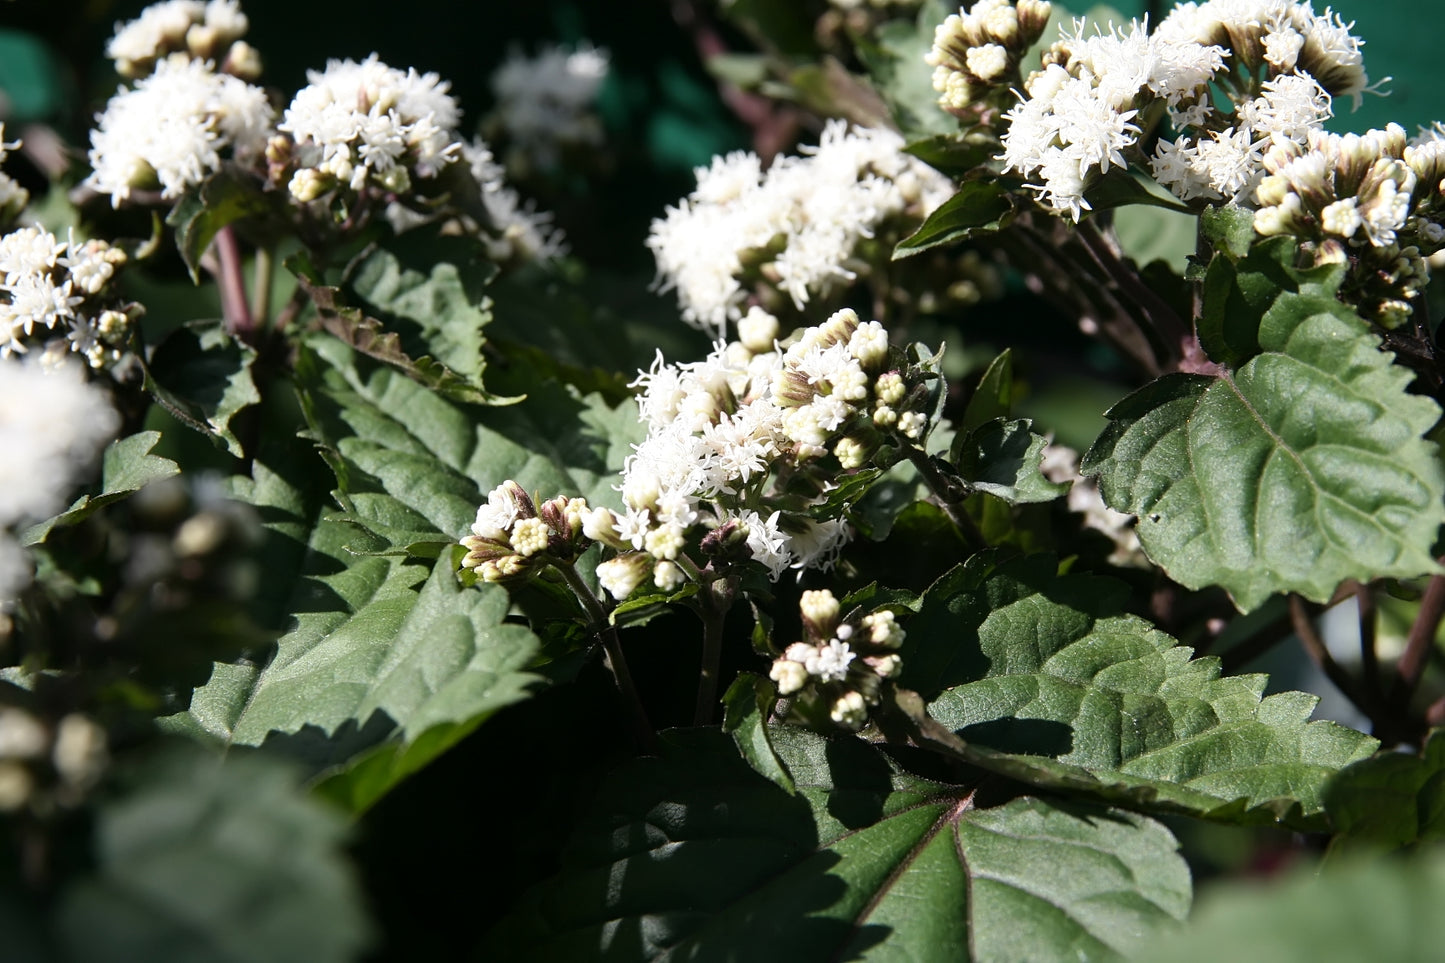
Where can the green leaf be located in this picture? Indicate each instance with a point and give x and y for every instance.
(412, 467)
(1249, 299)
(388, 662)
(980, 207)
(994, 396)
(1381, 910)
(209, 861)
(202, 376)
(1302, 469)
(956, 154)
(1046, 670)
(385, 659)
(1229, 229)
(748, 702)
(1002, 458)
(373, 338)
(1120, 188)
(128, 466)
(227, 196)
(695, 856)
(1391, 800)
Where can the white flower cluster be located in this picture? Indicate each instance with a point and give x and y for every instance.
(203, 30)
(512, 534)
(58, 291)
(544, 103)
(357, 123)
(13, 197)
(839, 668)
(52, 423)
(174, 128)
(735, 445)
(522, 233)
(1374, 201)
(1304, 60)
(1276, 62)
(796, 227)
(1077, 119)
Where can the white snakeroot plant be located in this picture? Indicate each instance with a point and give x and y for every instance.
(794, 229)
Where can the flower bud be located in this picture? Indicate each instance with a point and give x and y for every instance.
(620, 576)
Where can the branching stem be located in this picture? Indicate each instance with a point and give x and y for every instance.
(1417, 647)
(715, 599)
(612, 655)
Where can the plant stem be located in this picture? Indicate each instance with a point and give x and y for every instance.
(265, 268)
(612, 656)
(1303, 621)
(1369, 656)
(717, 597)
(234, 308)
(1417, 647)
(949, 498)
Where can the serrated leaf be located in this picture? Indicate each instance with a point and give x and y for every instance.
(388, 662)
(1391, 800)
(1250, 299)
(1303, 468)
(747, 704)
(695, 856)
(1381, 910)
(1002, 458)
(979, 207)
(202, 376)
(384, 657)
(227, 196)
(127, 467)
(209, 861)
(413, 467)
(994, 395)
(1046, 670)
(371, 337)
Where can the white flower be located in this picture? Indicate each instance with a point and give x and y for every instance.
(173, 129)
(355, 120)
(830, 662)
(520, 229)
(767, 542)
(817, 208)
(52, 423)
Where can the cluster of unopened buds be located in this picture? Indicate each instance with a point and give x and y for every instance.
(839, 668)
(1372, 200)
(190, 28)
(513, 535)
(43, 766)
(977, 52)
